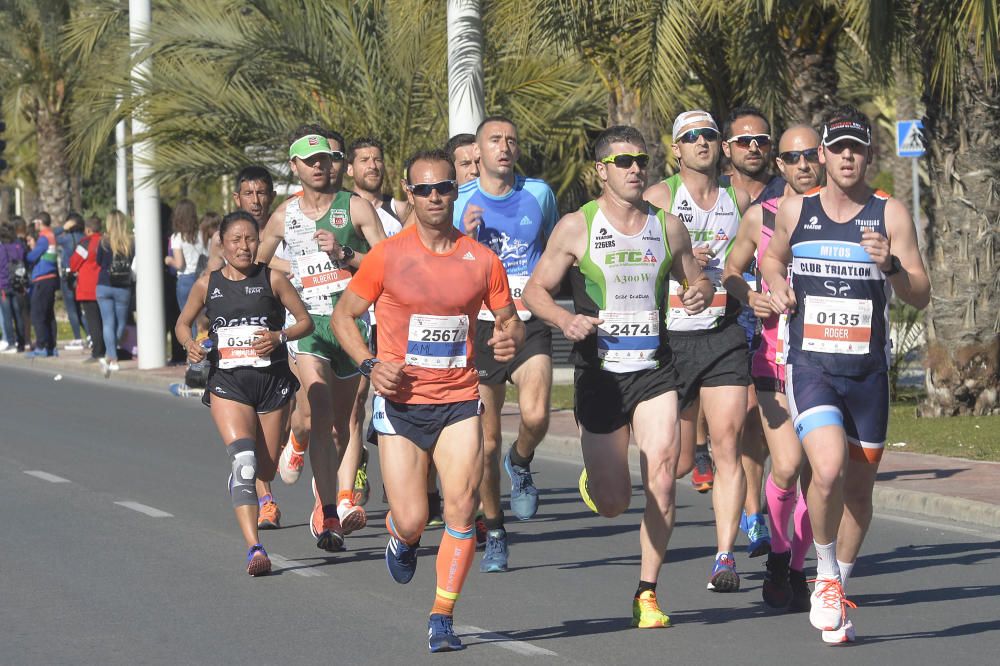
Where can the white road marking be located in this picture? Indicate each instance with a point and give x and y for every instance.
(45, 476)
(295, 567)
(506, 642)
(148, 510)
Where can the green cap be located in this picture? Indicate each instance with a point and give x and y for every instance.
(309, 145)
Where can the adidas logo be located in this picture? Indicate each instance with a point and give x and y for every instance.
(216, 293)
(469, 256)
(525, 221)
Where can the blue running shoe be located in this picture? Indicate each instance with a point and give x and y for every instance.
(758, 535)
(401, 560)
(258, 563)
(495, 557)
(724, 577)
(441, 635)
(523, 494)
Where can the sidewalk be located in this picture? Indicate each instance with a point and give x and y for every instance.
(953, 489)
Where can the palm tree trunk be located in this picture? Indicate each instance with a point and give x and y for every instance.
(963, 234)
(811, 50)
(624, 108)
(53, 167)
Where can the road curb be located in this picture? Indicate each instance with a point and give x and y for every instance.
(884, 498)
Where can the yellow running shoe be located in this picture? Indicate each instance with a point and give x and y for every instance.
(646, 613)
(585, 491)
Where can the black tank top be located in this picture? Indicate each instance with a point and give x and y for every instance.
(247, 302)
(841, 320)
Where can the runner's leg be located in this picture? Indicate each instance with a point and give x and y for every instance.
(725, 408)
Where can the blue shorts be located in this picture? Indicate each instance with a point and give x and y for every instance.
(859, 405)
(421, 424)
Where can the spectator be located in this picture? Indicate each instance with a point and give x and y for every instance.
(185, 249)
(44, 283)
(12, 290)
(22, 310)
(84, 265)
(67, 240)
(115, 254)
(207, 229)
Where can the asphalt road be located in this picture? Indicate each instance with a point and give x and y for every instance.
(119, 547)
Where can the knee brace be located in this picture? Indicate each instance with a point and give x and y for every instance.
(242, 486)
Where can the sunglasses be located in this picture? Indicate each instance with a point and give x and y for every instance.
(337, 155)
(746, 140)
(626, 160)
(444, 188)
(691, 136)
(792, 156)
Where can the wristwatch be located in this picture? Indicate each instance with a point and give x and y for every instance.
(348, 253)
(282, 338)
(366, 366)
(894, 266)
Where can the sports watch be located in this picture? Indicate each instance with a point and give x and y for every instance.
(894, 266)
(366, 366)
(348, 253)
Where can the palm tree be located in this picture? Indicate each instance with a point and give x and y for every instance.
(40, 80)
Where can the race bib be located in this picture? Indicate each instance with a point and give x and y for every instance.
(321, 278)
(516, 283)
(628, 338)
(236, 348)
(781, 340)
(677, 317)
(437, 341)
(837, 325)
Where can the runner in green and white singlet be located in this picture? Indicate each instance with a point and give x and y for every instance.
(619, 250)
(710, 348)
(326, 233)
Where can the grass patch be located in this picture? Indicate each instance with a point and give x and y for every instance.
(972, 437)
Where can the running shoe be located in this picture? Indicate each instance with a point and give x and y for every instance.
(480, 529)
(495, 557)
(435, 518)
(269, 516)
(646, 613)
(352, 517)
(290, 463)
(724, 577)
(702, 476)
(523, 494)
(113, 366)
(828, 604)
(74, 345)
(584, 486)
(331, 538)
(258, 563)
(845, 634)
(758, 536)
(361, 489)
(800, 592)
(441, 634)
(401, 560)
(777, 589)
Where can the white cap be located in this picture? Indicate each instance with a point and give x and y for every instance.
(690, 117)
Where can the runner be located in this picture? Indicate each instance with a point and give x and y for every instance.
(710, 347)
(619, 251)
(785, 582)
(428, 283)
(250, 385)
(850, 247)
(461, 150)
(326, 231)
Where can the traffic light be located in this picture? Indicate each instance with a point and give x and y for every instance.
(3, 144)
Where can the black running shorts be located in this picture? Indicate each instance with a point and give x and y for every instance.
(537, 340)
(605, 401)
(421, 424)
(714, 358)
(264, 389)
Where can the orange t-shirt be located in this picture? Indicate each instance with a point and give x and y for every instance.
(424, 302)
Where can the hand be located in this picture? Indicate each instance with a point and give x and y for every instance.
(472, 219)
(265, 342)
(328, 243)
(781, 299)
(693, 299)
(195, 352)
(386, 378)
(30, 240)
(580, 326)
(503, 345)
(877, 247)
(760, 304)
(703, 255)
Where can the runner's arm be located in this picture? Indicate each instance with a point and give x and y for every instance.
(740, 256)
(367, 223)
(697, 290)
(350, 307)
(911, 284)
(291, 301)
(182, 331)
(274, 233)
(659, 196)
(508, 329)
(774, 265)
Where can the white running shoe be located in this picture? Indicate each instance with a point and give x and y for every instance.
(113, 366)
(74, 345)
(829, 605)
(4, 345)
(845, 634)
(352, 517)
(290, 463)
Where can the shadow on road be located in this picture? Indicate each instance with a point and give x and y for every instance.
(908, 558)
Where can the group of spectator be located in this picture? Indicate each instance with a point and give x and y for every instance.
(90, 263)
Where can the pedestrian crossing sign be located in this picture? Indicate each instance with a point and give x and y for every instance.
(909, 138)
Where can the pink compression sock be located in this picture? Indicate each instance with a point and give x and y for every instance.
(780, 505)
(802, 537)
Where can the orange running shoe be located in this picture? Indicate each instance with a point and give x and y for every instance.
(352, 517)
(702, 476)
(269, 517)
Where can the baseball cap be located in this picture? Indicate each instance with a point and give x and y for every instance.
(695, 116)
(855, 130)
(309, 145)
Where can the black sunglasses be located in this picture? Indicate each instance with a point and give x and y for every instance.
(691, 136)
(443, 188)
(792, 156)
(626, 160)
